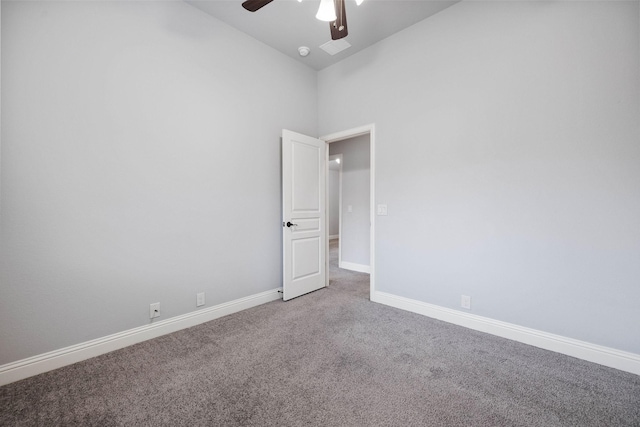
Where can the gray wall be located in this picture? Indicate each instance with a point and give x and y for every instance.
(334, 202)
(354, 239)
(507, 150)
(140, 163)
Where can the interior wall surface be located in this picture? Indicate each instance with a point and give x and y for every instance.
(140, 164)
(334, 202)
(507, 151)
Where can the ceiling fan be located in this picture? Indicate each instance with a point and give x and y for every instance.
(330, 10)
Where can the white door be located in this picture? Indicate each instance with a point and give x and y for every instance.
(303, 209)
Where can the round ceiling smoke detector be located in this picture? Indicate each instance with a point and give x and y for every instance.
(303, 50)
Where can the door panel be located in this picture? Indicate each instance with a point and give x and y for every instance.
(305, 188)
(306, 224)
(303, 200)
(305, 254)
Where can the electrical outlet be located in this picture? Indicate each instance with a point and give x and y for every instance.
(154, 310)
(466, 302)
(199, 299)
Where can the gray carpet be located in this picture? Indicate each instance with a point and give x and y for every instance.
(331, 358)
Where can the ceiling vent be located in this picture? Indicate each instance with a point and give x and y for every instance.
(335, 46)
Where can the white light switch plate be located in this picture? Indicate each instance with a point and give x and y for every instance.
(382, 209)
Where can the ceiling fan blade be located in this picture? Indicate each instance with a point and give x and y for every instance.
(253, 5)
(339, 26)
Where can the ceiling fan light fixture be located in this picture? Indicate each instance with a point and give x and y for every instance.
(326, 11)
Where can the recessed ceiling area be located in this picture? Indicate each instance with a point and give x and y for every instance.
(285, 25)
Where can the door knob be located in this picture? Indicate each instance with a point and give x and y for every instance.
(289, 224)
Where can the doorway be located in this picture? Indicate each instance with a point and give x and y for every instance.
(357, 220)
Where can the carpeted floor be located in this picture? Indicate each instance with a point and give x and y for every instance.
(330, 358)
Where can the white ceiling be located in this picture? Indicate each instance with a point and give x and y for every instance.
(286, 25)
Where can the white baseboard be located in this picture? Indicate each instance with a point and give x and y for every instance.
(334, 236)
(624, 361)
(355, 267)
(66, 356)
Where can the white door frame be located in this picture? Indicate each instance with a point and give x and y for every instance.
(339, 136)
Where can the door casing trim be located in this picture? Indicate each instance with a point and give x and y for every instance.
(340, 136)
